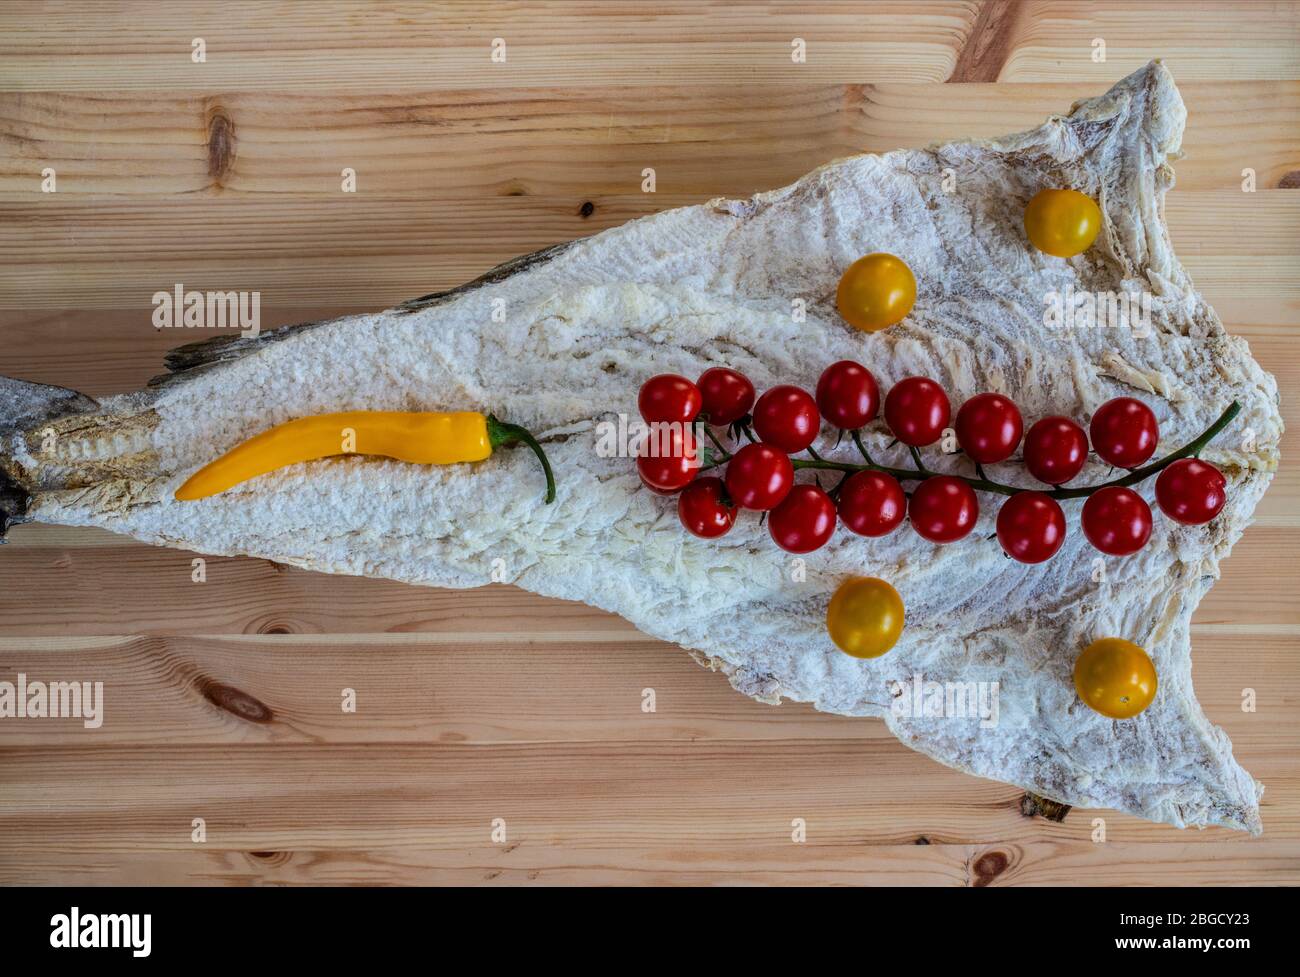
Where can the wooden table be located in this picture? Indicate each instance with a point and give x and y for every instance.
(224, 698)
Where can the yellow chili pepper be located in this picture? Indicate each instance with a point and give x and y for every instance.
(422, 438)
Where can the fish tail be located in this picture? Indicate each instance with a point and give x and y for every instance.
(24, 407)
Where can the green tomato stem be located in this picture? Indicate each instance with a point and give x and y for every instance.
(987, 485)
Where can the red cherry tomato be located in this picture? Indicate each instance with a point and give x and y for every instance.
(872, 503)
(943, 509)
(804, 521)
(989, 428)
(1055, 450)
(669, 397)
(702, 510)
(668, 464)
(1191, 491)
(728, 395)
(1124, 432)
(759, 477)
(1116, 520)
(917, 411)
(1031, 527)
(786, 417)
(847, 395)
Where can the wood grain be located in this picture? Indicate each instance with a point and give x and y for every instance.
(571, 144)
(460, 684)
(223, 699)
(372, 250)
(1040, 862)
(349, 47)
(607, 794)
(122, 587)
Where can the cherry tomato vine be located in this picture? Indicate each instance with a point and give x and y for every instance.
(1133, 477)
(869, 498)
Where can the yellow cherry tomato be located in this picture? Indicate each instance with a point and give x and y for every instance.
(876, 292)
(1062, 222)
(865, 617)
(1115, 678)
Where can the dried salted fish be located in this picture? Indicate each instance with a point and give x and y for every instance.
(560, 341)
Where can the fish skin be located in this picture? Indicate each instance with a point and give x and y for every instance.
(585, 323)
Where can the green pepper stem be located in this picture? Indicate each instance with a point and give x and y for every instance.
(919, 473)
(500, 433)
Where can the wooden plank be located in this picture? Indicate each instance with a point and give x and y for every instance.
(571, 795)
(470, 688)
(402, 47)
(1206, 39)
(474, 688)
(571, 145)
(116, 252)
(393, 47)
(137, 589)
(1052, 861)
(108, 351)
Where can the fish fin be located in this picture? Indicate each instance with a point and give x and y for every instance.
(514, 266)
(24, 406)
(186, 361)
